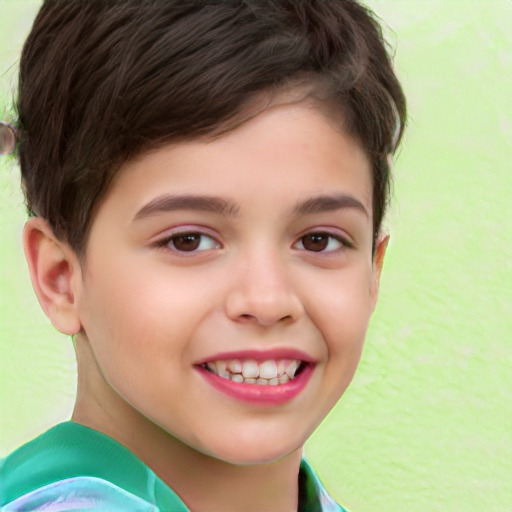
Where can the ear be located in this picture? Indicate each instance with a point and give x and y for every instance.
(378, 262)
(55, 273)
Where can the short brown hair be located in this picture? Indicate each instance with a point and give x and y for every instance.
(103, 80)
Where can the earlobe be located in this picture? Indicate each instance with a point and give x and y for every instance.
(378, 262)
(55, 273)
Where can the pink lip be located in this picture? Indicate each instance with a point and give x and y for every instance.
(257, 393)
(261, 355)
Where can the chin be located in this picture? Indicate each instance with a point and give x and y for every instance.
(249, 452)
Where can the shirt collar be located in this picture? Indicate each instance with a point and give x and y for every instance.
(71, 450)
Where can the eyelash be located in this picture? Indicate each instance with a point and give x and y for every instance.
(342, 241)
(172, 239)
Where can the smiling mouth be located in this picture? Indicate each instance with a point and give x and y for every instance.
(271, 372)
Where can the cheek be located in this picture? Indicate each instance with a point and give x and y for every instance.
(133, 316)
(341, 308)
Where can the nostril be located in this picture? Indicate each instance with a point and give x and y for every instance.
(246, 317)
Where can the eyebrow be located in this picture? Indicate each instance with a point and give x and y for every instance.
(204, 203)
(328, 203)
(220, 206)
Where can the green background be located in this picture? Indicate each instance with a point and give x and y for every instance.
(427, 423)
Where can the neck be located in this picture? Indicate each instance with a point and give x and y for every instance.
(207, 484)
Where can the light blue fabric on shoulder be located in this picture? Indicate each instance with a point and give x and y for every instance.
(91, 494)
(80, 494)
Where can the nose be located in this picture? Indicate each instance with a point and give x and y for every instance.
(263, 293)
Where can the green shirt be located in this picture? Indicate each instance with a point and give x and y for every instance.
(74, 468)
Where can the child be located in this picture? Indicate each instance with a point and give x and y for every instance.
(206, 183)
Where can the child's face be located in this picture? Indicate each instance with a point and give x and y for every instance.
(255, 246)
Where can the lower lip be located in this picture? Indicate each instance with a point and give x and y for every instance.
(259, 393)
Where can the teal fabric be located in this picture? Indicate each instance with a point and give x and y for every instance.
(74, 468)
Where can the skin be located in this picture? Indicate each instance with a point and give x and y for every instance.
(144, 313)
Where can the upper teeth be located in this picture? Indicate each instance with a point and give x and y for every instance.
(270, 372)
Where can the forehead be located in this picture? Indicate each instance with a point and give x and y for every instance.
(285, 152)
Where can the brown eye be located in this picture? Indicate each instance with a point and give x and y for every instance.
(321, 242)
(315, 242)
(186, 243)
(189, 242)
